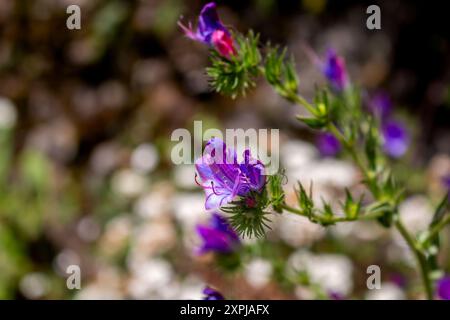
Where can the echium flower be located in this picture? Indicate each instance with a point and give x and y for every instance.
(328, 144)
(223, 178)
(443, 288)
(212, 294)
(211, 31)
(395, 139)
(217, 236)
(380, 105)
(395, 136)
(335, 71)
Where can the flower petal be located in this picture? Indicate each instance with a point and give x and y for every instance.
(216, 195)
(253, 171)
(208, 22)
(213, 240)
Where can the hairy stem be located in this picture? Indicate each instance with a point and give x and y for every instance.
(331, 220)
(300, 100)
(420, 257)
(437, 228)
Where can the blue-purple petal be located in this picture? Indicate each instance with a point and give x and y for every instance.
(443, 288)
(380, 105)
(223, 178)
(396, 139)
(211, 294)
(335, 71)
(208, 22)
(328, 144)
(217, 236)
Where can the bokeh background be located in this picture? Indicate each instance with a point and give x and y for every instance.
(85, 171)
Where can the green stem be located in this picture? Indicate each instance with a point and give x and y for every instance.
(300, 100)
(331, 220)
(355, 156)
(437, 228)
(420, 257)
(411, 242)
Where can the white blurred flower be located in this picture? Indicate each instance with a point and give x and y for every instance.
(34, 285)
(191, 289)
(332, 272)
(88, 229)
(170, 291)
(416, 213)
(258, 272)
(8, 114)
(105, 158)
(148, 277)
(298, 231)
(297, 153)
(363, 230)
(128, 183)
(154, 237)
(64, 259)
(189, 209)
(388, 291)
(154, 204)
(106, 286)
(400, 252)
(184, 176)
(304, 293)
(144, 158)
(333, 172)
(95, 291)
(116, 234)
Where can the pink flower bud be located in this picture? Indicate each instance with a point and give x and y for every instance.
(223, 43)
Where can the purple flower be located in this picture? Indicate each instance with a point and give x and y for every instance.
(396, 139)
(333, 295)
(335, 71)
(328, 144)
(446, 182)
(223, 178)
(211, 294)
(211, 31)
(443, 288)
(398, 279)
(217, 236)
(380, 105)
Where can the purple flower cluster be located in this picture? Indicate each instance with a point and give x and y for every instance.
(211, 31)
(395, 136)
(223, 178)
(335, 71)
(217, 236)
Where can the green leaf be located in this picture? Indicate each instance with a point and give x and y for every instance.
(350, 207)
(386, 209)
(305, 201)
(371, 146)
(439, 214)
(440, 211)
(327, 210)
(281, 73)
(313, 123)
(276, 192)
